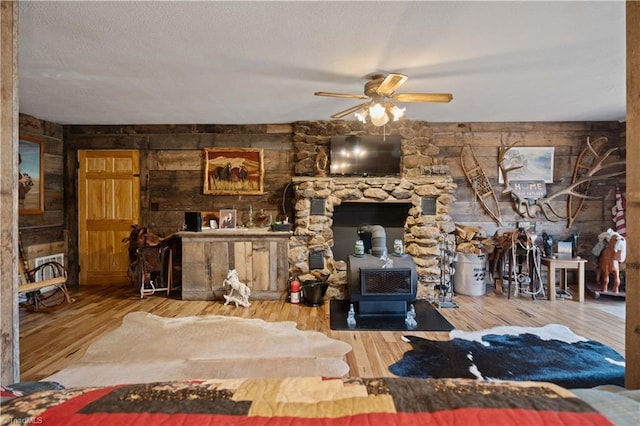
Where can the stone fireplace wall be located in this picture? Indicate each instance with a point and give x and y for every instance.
(313, 232)
(420, 156)
(423, 174)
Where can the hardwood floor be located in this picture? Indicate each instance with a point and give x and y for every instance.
(49, 341)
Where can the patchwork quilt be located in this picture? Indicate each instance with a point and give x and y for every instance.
(306, 401)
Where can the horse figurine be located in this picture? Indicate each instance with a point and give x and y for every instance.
(242, 290)
(614, 252)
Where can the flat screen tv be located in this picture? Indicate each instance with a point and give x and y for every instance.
(365, 155)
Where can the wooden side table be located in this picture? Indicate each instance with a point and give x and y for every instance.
(564, 264)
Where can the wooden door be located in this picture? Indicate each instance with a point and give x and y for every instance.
(108, 204)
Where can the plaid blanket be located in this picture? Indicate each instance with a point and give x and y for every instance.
(307, 401)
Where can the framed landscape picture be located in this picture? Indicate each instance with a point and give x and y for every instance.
(30, 175)
(536, 164)
(232, 171)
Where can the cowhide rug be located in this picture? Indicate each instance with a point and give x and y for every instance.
(148, 348)
(552, 353)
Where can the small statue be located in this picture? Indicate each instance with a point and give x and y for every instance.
(388, 262)
(610, 251)
(547, 244)
(321, 163)
(249, 221)
(241, 290)
(574, 244)
(351, 317)
(262, 220)
(410, 320)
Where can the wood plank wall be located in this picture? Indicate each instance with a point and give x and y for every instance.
(172, 169)
(172, 174)
(568, 139)
(44, 234)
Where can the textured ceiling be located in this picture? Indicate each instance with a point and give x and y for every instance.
(260, 62)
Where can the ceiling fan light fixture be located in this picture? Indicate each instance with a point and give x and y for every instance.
(362, 115)
(377, 111)
(380, 113)
(381, 91)
(397, 112)
(380, 121)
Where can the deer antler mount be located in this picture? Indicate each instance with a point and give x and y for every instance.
(531, 208)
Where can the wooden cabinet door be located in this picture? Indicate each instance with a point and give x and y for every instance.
(108, 204)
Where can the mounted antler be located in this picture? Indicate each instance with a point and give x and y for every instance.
(521, 205)
(527, 207)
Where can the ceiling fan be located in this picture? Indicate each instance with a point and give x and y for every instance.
(380, 92)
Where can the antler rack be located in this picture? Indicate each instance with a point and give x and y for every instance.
(530, 208)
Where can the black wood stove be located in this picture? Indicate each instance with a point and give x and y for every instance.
(382, 285)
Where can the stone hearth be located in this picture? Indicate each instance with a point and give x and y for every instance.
(313, 232)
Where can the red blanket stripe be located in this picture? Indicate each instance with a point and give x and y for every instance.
(66, 415)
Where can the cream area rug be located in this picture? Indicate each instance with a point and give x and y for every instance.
(148, 348)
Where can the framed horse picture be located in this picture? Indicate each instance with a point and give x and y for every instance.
(31, 175)
(233, 171)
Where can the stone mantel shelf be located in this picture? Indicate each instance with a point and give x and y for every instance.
(373, 200)
(373, 179)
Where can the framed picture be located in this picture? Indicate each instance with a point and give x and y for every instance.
(30, 175)
(228, 218)
(210, 219)
(536, 162)
(231, 171)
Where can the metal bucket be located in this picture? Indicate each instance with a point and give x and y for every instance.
(313, 292)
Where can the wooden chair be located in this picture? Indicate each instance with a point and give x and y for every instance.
(47, 292)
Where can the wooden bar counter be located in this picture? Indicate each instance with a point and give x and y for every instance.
(259, 255)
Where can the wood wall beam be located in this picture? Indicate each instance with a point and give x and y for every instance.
(632, 335)
(9, 356)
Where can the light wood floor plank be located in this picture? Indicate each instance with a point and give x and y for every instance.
(50, 341)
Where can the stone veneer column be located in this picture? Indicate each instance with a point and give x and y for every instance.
(419, 164)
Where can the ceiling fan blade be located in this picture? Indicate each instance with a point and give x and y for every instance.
(390, 83)
(350, 110)
(423, 97)
(341, 95)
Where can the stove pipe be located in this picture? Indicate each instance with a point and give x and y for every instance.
(378, 237)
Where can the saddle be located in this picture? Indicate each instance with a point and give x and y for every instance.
(146, 257)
